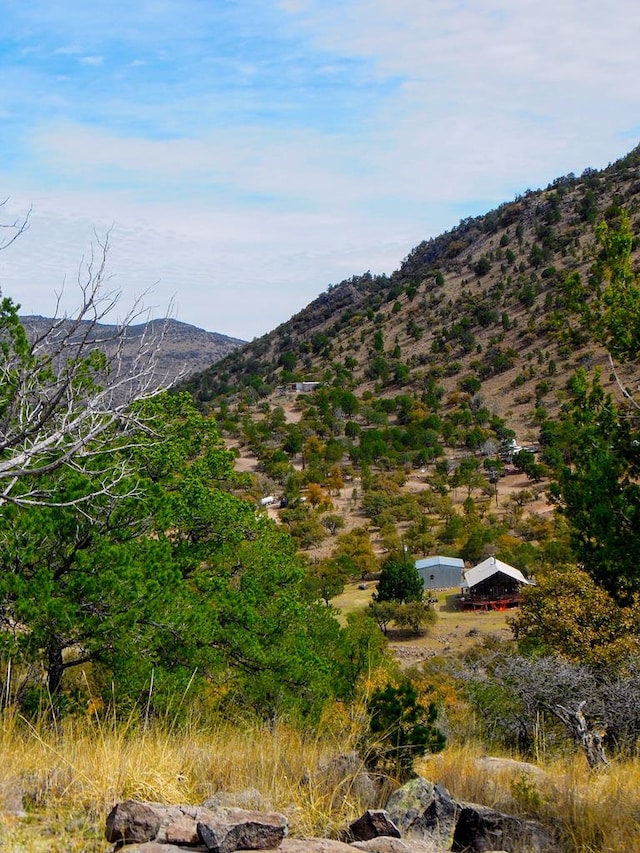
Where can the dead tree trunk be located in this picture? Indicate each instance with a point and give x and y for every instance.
(589, 738)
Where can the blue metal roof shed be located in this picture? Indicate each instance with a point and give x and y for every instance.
(440, 572)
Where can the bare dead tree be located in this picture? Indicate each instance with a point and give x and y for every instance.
(589, 736)
(64, 391)
(10, 231)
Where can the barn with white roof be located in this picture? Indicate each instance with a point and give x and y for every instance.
(492, 585)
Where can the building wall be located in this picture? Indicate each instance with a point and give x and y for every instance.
(440, 577)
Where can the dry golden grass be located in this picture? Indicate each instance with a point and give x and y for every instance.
(591, 812)
(70, 777)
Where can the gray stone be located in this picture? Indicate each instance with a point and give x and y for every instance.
(221, 830)
(509, 766)
(405, 804)
(249, 798)
(438, 820)
(239, 829)
(399, 845)
(372, 824)
(480, 829)
(423, 810)
(157, 847)
(345, 774)
(314, 845)
(131, 821)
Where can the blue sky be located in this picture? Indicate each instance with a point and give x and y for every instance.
(247, 154)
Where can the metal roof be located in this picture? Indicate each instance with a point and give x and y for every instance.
(430, 562)
(489, 567)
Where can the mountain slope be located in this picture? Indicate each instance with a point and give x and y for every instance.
(183, 350)
(481, 308)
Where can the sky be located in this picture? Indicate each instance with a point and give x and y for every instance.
(242, 155)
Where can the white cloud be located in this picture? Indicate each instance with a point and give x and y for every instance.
(244, 179)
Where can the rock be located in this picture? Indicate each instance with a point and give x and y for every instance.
(131, 821)
(407, 802)
(372, 824)
(314, 845)
(480, 829)
(220, 830)
(398, 845)
(157, 847)
(424, 810)
(239, 829)
(250, 798)
(12, 799)
(510, 766)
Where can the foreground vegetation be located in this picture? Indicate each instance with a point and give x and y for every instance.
(71, 776)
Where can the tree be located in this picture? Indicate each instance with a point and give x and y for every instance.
(568, 614)
(618, 312)
(399, 580)
(525, 461)
(401, 729)
(327, 579)
(414, 616)
(63, 391)
(468, 474)
(317, 496)
(176, 581)
(355, 549)
(383, 613)
(594, 446)
(597, 487)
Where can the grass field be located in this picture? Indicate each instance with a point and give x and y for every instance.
(452, 633)
(70, 777)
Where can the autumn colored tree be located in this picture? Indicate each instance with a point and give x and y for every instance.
(354, 548)
(568, 614)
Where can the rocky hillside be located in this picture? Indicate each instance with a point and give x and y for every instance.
(483, 309)
(183, 349)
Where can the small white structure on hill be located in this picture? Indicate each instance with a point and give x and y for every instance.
(440, 572)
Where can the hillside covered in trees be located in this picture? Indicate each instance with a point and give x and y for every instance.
(149, 586)
(488, 308)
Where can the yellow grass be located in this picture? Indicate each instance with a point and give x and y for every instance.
(591, 812)
(70, 778)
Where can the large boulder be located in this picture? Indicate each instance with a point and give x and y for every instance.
(220, 830)
(314, 845)
(158, 847)
(373, 824)
(384, 844)
(493, 766)
(424, 810)
(345, 775)
(407, 802)
(480, 829)
(238, 829)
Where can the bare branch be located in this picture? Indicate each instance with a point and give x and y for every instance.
(10, 231)
(622, 387)
(67, 393)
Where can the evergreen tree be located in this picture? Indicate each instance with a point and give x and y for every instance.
(399, 580)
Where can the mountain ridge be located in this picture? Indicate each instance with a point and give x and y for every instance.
(484, 302)
(184, 349)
